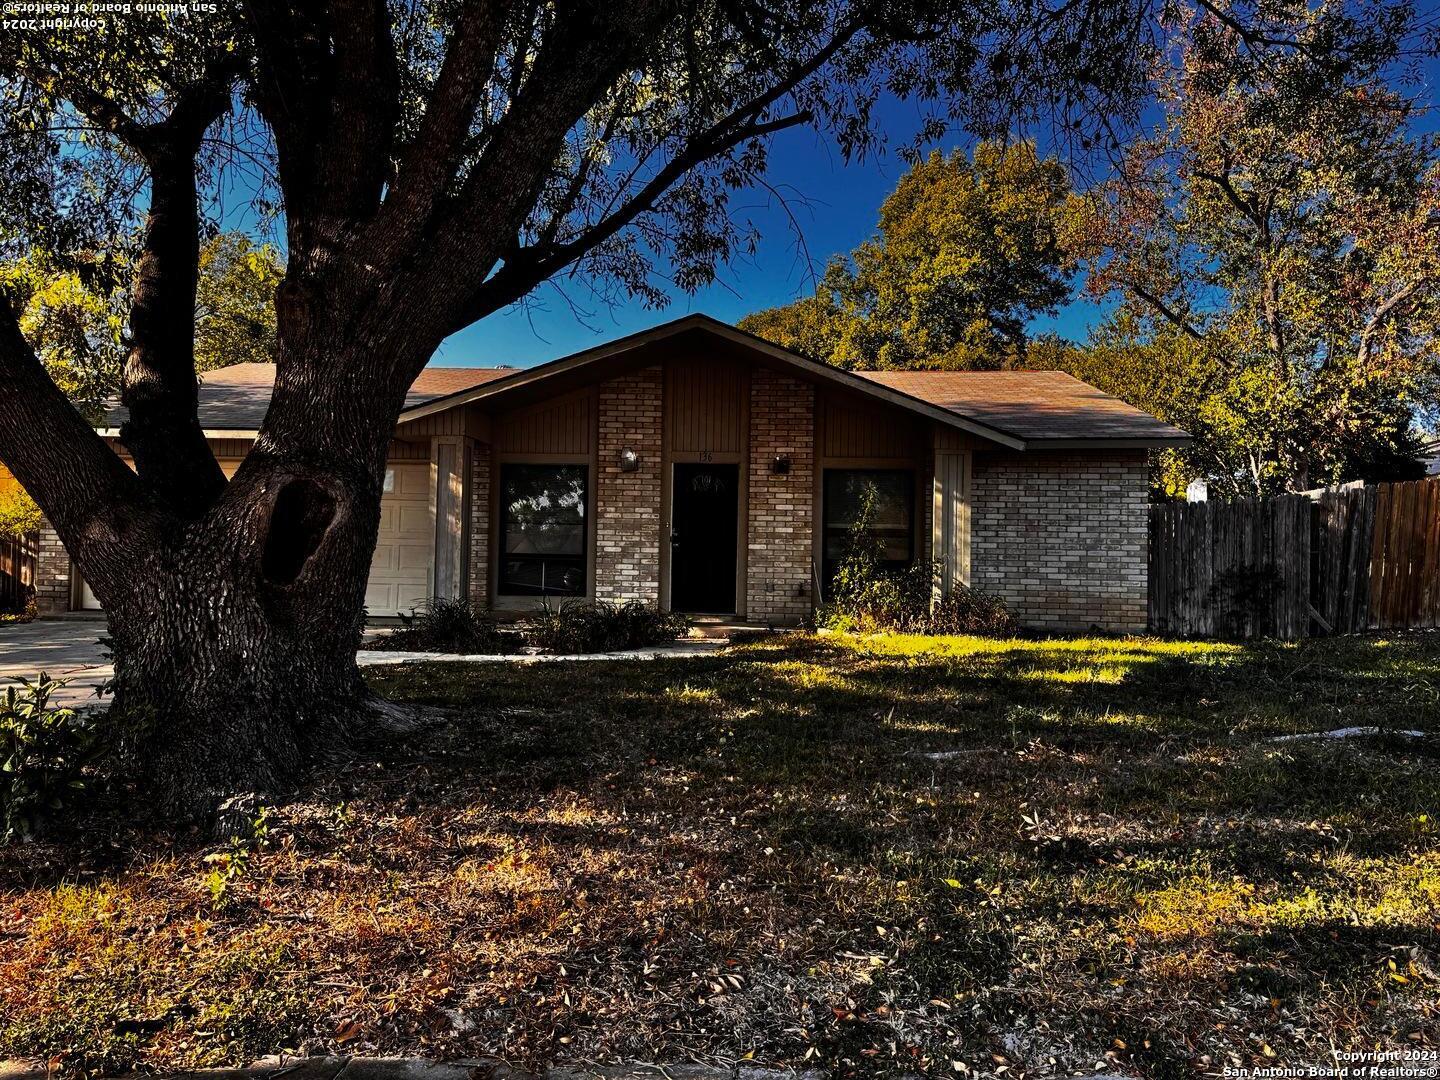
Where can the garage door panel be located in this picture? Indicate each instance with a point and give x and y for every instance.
(412, 557)
(413, 520)
(405, 547)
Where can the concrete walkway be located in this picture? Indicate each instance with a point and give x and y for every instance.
(62, 648)
(70, 649)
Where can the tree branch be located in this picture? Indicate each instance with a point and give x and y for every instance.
(1166, 311)
(365, 102)
(530, 266)
(428, 165)
(85, 490)
(1395, 305)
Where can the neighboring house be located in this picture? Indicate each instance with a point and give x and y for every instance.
(711, 472)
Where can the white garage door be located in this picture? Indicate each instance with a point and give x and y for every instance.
(404, 554)
(400, 573)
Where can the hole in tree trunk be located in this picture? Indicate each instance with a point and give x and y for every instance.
(303, 511)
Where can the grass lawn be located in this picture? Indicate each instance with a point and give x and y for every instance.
(941, 856)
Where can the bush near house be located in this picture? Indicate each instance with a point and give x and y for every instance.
(450, 626)
(587, 626)
(576, 626)
(864, 596)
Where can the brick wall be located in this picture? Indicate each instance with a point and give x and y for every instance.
(782, 421)
(52, 573)
(480, 472)
(627, 505)
(1062, 537)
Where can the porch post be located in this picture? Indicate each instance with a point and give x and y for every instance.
(449, 498)
(950, 516)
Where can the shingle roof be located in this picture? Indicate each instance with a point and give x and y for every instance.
(235, 398)
(1014, 408)
(1035, 405)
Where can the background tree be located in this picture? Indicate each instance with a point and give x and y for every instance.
(74, 319)
(434, 162)
(966, 253)
(1275, 249)
(235, 302)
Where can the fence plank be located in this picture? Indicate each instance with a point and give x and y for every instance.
(1359, 557)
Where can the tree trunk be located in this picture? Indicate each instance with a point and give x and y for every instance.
(234, 639)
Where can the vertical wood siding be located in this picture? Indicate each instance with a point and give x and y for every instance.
(856, 430)
(563, 425)
(706, 401)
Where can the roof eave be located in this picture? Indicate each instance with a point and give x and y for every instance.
(209, 433)
(1149, 442)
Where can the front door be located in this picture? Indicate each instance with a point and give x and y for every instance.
(704, 528)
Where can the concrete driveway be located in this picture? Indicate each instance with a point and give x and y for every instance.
(62, 648)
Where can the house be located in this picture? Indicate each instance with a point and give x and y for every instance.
(711, 472)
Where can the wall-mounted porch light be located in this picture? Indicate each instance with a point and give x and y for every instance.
(628, 460)
(780, 464)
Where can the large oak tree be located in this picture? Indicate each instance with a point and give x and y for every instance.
(435, 161)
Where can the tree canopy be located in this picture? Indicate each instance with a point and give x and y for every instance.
(1274, 247)
(966, 252)
(75, 320)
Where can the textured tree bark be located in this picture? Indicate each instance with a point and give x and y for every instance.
(234, 636)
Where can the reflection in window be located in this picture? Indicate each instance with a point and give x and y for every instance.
(892, 520)
(542, 530)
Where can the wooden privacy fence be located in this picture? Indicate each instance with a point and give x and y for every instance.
(17, 571)
(1337, 560)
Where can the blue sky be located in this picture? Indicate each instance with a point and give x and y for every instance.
(835, 205)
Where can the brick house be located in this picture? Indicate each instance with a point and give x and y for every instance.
(711, 472)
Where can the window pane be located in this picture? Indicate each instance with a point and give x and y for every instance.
(544, 509)
(542, 577)
(891, 515)
(844, 494)
(542, 530)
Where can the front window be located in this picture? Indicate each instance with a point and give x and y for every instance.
(542, 530)
(892, 514)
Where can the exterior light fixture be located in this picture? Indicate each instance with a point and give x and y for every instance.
(780, 465)
(629, 460)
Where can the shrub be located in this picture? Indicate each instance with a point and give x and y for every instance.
(866, 596)
(588, 626)
(27, 612)
(969, 611)
(43, 754)
(446, 625)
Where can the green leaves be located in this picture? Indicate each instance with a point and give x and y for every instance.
(43, 752)
(966, 252)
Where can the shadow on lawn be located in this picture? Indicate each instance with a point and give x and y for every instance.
(1079, 783)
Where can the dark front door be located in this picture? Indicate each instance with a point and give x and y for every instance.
(706, 511)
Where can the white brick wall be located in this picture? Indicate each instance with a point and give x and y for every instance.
(1062, 537)
(52, 573)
